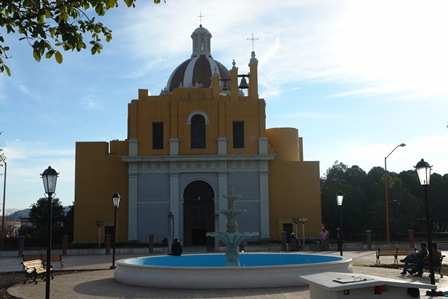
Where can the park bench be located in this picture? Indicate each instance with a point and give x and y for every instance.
(55, 257)
(35, 268)
(30, 257)
(395, 252)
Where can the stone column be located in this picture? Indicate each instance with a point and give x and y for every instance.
(369, 239)
(64, 244)
(283, 241)
(411, 238)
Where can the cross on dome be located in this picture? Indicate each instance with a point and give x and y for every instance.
(200, 17)
(253, 39)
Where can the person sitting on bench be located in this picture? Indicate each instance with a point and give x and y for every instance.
(414, 257)
(176, 247)
(418, 268)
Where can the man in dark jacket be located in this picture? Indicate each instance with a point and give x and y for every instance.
(436, 255)
(176, 247)
(414, 257)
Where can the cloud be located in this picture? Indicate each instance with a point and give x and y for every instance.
(17, 149)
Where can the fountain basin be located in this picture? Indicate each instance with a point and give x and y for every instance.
(209, 271)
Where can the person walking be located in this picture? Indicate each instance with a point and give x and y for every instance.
(324, 237)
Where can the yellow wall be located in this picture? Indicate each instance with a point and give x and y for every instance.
(99, 174)
(174, 111)
(294, 186)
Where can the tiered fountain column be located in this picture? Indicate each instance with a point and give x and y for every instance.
(232, 238)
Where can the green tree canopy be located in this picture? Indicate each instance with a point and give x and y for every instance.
(38, 214)
(51, 25)
(364, 205)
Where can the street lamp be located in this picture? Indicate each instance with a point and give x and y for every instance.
(116, 201)
(387, 196)
(339, 199)
(99, 224)
(296, 221)
(49, 178)
(424, 175)
(303, 220)
(3, 159)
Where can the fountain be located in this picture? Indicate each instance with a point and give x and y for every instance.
(229, 271)
(232, 238)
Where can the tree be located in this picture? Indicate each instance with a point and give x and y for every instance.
(10, 227)
(69, 223)
(38, 215)
(49, 25)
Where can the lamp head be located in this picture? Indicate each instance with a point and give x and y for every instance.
(424, 172)
(116, 200)
(403, 145)
(49, 178)
(340, 198)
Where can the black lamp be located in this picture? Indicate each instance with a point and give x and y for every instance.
(116, 201)
(49, 178)
(340, 199)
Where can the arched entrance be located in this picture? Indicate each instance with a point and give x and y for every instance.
(198, 214)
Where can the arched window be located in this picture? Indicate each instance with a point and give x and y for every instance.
(202, 44)
(197, 131)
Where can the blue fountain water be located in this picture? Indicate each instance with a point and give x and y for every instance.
(246, 260)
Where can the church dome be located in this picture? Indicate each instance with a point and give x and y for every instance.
(201, 67)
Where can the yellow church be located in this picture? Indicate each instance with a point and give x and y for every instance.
(184, 148)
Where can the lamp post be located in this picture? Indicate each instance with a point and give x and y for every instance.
(99, 224)
(339, 199)
(3, 159)
(296, 221)
(387, 196)
(424, 175)
(116, 201)
(49, 178)
(303, 220)
(171, 226)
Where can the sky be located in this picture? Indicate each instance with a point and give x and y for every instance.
(356, 78)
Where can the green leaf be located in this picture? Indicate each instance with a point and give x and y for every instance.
(49, 54)
(5, 68)
(36, 55)
(58, 57)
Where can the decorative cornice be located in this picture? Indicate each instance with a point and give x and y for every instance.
(198, 158)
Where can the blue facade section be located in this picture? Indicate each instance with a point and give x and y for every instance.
(153, 186)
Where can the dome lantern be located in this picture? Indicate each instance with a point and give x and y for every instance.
(198, 70)
(201, 42)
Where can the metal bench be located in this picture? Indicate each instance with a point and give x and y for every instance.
(55, 257)
(35, 268)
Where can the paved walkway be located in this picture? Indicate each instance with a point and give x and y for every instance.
(99, 284)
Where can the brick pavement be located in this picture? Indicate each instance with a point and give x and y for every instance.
(100, 284)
